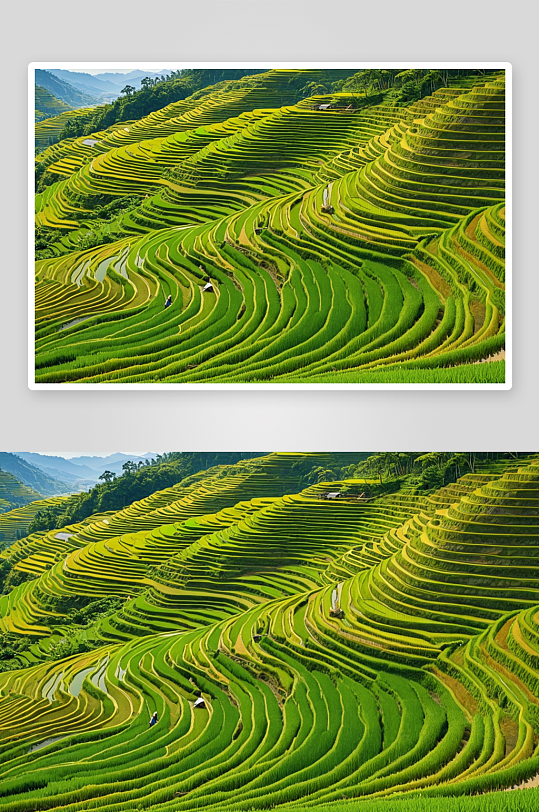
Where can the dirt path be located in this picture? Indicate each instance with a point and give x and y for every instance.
(529, 784)
(499, 356)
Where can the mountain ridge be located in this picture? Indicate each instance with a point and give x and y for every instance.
(103, 87)
(80, 472)
(63, 90)
(32, 476)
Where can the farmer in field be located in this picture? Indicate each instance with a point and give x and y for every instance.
(153, 719)
(168, 300)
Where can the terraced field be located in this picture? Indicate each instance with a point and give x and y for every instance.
(14, 523)
(13, 492)
(298, 650)
(298, 244)
(48, 105)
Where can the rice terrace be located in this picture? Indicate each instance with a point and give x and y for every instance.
(270, 226)
(239, 632)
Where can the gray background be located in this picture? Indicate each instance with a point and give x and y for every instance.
(114, 30)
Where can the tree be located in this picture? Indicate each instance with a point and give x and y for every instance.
(410, 75)
(457, 462)
(435, 77)
(433, 458)
(376, 463)
(406, 462)
(363, 81)
(319, 474)
(128, 90)
(107, 476)
(376, 78)
(314, 89)
(129, 467)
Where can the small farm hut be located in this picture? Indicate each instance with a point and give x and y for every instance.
(327, 208)
(199, 703)
(336, 612)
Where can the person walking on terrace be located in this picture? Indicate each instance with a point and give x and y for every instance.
(153, 719)
(168, 300)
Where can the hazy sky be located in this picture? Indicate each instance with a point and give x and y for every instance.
(69, 454)
(112, 69)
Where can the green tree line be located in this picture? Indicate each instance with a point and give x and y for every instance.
(400, 85)
(153, 95)
(418, 471)
(137, 481)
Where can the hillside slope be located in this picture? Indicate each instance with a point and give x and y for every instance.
(32, 476)
(13, 492)
(63, 90)
(79, 471)
(15, 522)
(297, 243)
(47, 104)
(298, 650)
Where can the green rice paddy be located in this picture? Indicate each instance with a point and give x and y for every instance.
(299, 245)
(300, 651)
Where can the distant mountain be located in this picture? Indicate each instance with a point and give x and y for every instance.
(96, 84)
(13, 493)
(102, 90)
(64, 90)
(78, 476)
(134, 77)
(105, 86)
(32, 476)
(117, 457)
(79, 472)
(112, 463)
(46, 104)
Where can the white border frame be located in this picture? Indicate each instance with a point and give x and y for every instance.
(157, 66)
